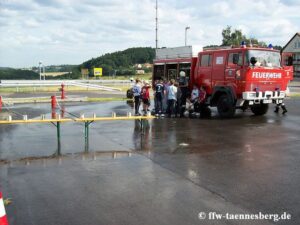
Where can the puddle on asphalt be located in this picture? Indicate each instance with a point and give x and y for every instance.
(170, 136)
(83, 156)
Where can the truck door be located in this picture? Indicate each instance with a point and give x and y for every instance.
(233, 67)
(219, 60)
(203, 73)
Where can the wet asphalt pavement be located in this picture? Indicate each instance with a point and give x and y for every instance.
(167, 174)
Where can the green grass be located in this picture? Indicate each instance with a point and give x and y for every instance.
(55, 89)
(46, 99)
(73, 88)
(39, 89)
(295, 95)
(146, 76)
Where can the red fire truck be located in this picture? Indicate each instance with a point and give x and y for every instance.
(233, 77)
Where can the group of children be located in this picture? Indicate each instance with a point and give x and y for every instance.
(174, 98)
(170, 97)
(141, 93)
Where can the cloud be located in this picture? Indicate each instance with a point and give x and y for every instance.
(72, 31)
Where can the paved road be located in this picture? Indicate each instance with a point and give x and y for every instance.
(174, 170)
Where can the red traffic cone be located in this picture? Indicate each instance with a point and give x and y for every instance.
(3, 218)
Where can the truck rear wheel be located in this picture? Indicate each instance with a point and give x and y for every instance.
(226, 107)
(260, 109)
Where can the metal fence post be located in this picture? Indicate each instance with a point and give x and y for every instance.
(58, 138)
(86, 135)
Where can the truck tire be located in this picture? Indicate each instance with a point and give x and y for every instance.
(225, 106)
(260, 109)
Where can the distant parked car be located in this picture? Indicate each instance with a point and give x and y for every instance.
(129, 93)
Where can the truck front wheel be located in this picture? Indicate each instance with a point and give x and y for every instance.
(226, 107)
(260, 109)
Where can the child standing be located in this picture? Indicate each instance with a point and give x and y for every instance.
(136, 89)
(172, 98)
(195, 94)
(145, 97)
(159, 97)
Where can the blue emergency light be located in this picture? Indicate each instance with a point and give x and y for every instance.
(243, 44)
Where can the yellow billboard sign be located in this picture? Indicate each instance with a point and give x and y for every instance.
(97, 72)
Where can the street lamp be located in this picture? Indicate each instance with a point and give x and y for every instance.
(40, 69)
(44, 72)
(186, 34)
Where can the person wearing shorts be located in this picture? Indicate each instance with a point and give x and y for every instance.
(145, 95)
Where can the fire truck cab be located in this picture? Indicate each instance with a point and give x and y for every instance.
(241, 77)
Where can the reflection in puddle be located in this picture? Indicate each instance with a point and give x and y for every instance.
(59, 159)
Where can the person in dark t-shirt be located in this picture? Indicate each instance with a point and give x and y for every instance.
(159, 96)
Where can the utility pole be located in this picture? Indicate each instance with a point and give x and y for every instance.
(156, 26)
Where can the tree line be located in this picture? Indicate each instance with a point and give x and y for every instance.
(17, 74)
(235, 37)
(121, 62)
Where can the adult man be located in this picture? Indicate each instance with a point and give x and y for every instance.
(183, 85)
(136, 89)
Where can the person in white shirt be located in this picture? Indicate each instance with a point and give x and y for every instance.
(136, 89)
(172, 98)
(195, 94)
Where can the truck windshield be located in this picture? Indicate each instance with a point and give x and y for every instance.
(264, 58)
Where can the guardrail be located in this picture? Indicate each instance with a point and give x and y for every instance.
(64, 81)
(78, 83)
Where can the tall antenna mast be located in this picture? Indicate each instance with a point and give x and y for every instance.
(156, 26)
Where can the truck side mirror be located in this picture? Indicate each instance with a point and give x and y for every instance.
(290, 61)
(235, 59)
(253, 60)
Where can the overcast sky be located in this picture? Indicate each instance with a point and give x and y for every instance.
(73, 31)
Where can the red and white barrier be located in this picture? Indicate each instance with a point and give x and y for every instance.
(3, 218)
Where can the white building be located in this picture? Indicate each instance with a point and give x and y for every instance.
(292, 48)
